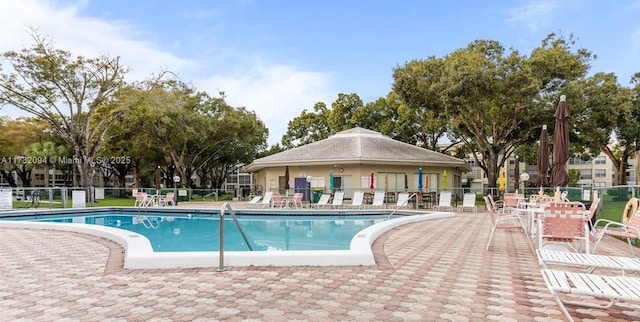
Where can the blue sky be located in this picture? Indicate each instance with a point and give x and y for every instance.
(278, 57)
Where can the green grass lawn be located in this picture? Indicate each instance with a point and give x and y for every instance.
(106, 202)
(57, 203)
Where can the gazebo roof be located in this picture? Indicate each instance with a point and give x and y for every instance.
(361, 146)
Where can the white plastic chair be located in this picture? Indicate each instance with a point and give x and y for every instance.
(444, 202)
(468, 202)
(564, 223)
(501, 219)
(629, 230)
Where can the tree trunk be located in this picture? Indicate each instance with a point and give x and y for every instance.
(9, 178)
(46, 175)
(637, 166)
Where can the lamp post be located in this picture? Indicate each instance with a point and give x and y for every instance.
(524, 177)
(309, 178)
(176, 180)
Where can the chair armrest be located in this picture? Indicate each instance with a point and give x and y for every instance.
(616, 224)
(607, 223)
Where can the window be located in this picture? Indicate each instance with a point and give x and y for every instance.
(245, 180)
(575, 160)
(600, 173)
(600, 160)
(585, 174)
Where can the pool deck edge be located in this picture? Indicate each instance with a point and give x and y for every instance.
(140, 255)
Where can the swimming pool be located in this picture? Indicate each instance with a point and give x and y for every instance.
(139, 253)
(180, 232)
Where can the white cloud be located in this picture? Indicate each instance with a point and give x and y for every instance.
(82, 36)
(533, 14)
(635, 41)
(277, 93)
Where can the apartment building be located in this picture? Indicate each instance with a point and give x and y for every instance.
(597, 172)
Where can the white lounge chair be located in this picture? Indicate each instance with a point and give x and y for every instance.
(322, 202)
(589, 261)
(357, 200)
(444, 202)
(378, 199)
(338, 198)
(255, 200)
(609, 288)
(403, 200)
(468, 202)
(266, 199)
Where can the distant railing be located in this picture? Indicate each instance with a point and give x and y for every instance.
(62, 197)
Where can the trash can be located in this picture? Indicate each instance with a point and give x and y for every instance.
(587, 205)
(316, 195)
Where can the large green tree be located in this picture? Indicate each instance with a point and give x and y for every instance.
(602, 109)
(423, 115)
(66, 91)
(494, 100)
(15, 136)
(186, 133)
(308, 127)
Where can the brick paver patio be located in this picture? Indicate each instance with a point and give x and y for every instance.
(430, 271)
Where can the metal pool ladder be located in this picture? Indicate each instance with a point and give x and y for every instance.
(227, 206)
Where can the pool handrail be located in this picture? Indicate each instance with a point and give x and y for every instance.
(227, 206)
(232, 213)
(221, 267)
(401, 205)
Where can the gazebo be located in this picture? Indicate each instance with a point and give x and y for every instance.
(357, 159)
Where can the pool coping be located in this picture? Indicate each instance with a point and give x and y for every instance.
(140, 255)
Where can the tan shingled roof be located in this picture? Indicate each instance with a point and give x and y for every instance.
(357, 145)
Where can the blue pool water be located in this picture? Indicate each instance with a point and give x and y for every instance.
(199, 232)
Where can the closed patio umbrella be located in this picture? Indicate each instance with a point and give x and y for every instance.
(543, 158)
(501, 180)
(560, 176)
(419, 178)
(516, 175)
(330, 179)
(444, 180)
(158, 180)
(371, 183)
(286, 178)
